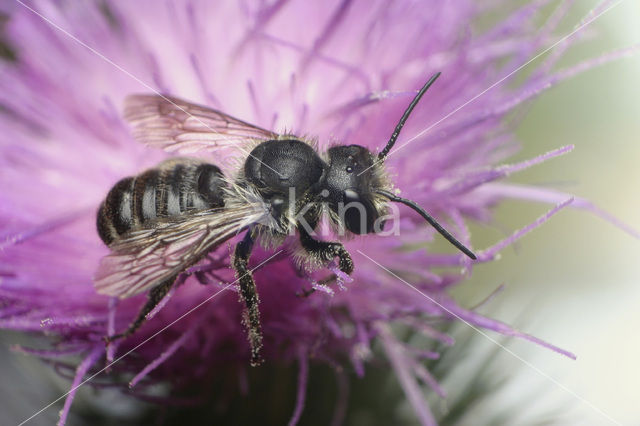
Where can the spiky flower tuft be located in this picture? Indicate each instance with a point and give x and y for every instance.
(340, 71)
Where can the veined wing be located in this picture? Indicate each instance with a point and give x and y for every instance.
(176, 125)
(146, 258)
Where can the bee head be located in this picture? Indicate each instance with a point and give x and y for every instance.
(356, 177)
(353, 177)
(358, 190)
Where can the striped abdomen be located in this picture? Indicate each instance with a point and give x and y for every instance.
(176, 187)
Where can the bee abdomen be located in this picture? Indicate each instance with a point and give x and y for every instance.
(115, 216)
(175, 188)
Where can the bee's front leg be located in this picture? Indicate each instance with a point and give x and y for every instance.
(325, 251)
(249, 295)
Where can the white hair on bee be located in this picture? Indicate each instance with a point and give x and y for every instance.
(239, 195)
(381, 179)
(303, 260)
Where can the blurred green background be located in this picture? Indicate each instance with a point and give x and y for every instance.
(575, 281)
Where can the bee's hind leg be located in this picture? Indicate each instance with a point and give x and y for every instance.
(156, 294)
(249, 295)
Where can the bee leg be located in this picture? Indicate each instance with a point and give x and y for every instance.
(326, 251)
(155, 296)
(249, 295)
(202, 277)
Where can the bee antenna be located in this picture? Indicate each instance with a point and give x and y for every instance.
(383, 154)
(429, 219)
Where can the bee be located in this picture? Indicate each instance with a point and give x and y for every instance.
(163, 221)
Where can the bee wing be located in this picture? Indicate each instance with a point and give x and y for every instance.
(146, 258)
(176, 125)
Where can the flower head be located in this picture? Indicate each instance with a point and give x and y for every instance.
(342, 72)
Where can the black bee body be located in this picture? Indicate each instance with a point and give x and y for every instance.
(284, 169)
(290, 175)
(276, 166)
(176, 187)
(184, 208)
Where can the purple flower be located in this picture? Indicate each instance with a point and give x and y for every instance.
(339, 71)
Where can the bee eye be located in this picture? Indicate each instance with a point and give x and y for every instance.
(349, 169)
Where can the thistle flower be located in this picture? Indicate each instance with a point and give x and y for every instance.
(340, 71)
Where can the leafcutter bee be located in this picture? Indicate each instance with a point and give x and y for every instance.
(163, 221)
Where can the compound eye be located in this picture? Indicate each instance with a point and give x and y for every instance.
(358, 213)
